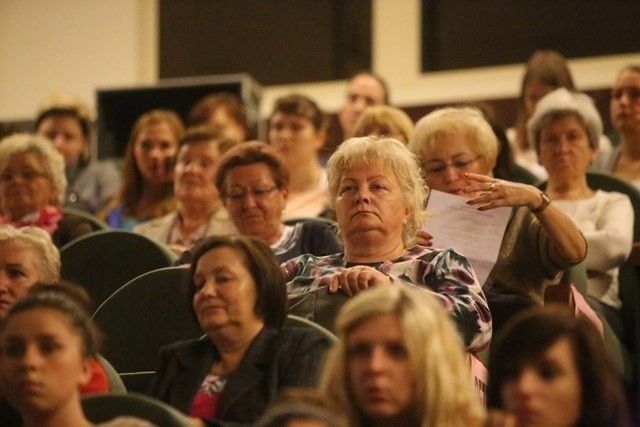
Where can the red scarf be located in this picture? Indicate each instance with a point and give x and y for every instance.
(47, 219)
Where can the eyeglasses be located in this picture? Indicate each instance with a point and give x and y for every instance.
(439, 167)
(25, 175)
(237, 195)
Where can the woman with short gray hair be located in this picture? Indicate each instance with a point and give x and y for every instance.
(565, 129)
(32, 188)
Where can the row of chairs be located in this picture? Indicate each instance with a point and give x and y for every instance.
(147, 313)
(126, 396)
(138, 292)
(104, 260)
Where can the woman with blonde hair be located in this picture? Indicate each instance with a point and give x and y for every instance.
(378, 194)
(27, 256)
(147, 172)
(399, 362)
(384, 121)
(457, 151)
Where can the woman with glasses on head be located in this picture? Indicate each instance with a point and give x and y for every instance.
(253, 182)
(457, 150)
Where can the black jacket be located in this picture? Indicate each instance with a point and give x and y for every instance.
(275, 360)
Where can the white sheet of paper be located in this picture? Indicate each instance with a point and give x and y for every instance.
(475, 234)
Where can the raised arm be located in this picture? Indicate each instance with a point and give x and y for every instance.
(492, 193)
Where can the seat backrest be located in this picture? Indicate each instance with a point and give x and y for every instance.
(142, 316)
(99, 408)
(103, 261)
(137, 382)
(293, 321)
(292, 221)
(609, 182)
(524, 176)
(318, 306)
(96, 223)
(116, 385)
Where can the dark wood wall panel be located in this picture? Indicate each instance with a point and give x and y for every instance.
(475, 33)
(276, 41)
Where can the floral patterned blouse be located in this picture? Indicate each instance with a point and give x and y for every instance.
(446, 273)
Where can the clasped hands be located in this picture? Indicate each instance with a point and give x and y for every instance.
(354, 280)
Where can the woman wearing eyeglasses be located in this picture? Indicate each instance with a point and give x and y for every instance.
(458, 150)
(32, 188)
(253, 182)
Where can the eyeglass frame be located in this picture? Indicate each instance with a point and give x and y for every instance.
(457, 164)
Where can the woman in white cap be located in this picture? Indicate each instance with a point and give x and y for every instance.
(565, 129)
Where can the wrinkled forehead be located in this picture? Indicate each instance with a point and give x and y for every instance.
(19, 252)
(28, 159)
(367, 168)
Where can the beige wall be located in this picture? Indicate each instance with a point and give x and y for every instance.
(78, 46)
(73, 46)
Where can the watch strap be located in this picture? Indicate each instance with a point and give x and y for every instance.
(546, 200)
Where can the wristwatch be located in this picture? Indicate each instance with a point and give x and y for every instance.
(546, 200)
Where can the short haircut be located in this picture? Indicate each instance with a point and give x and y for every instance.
(50, 158)
(379, 117)
(547, 67)
(298, 404)
(271, 292)
(300, 106)
(390, 154)
(444, 391)
(560, 103)
(526, 338)
(231, 103)
(69, 300)
(464, 121)
(39, 241)
(250, 153)
(67, 106)
(379, 79)
(204, 133)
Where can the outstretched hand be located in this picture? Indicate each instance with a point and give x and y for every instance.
(490, 193)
